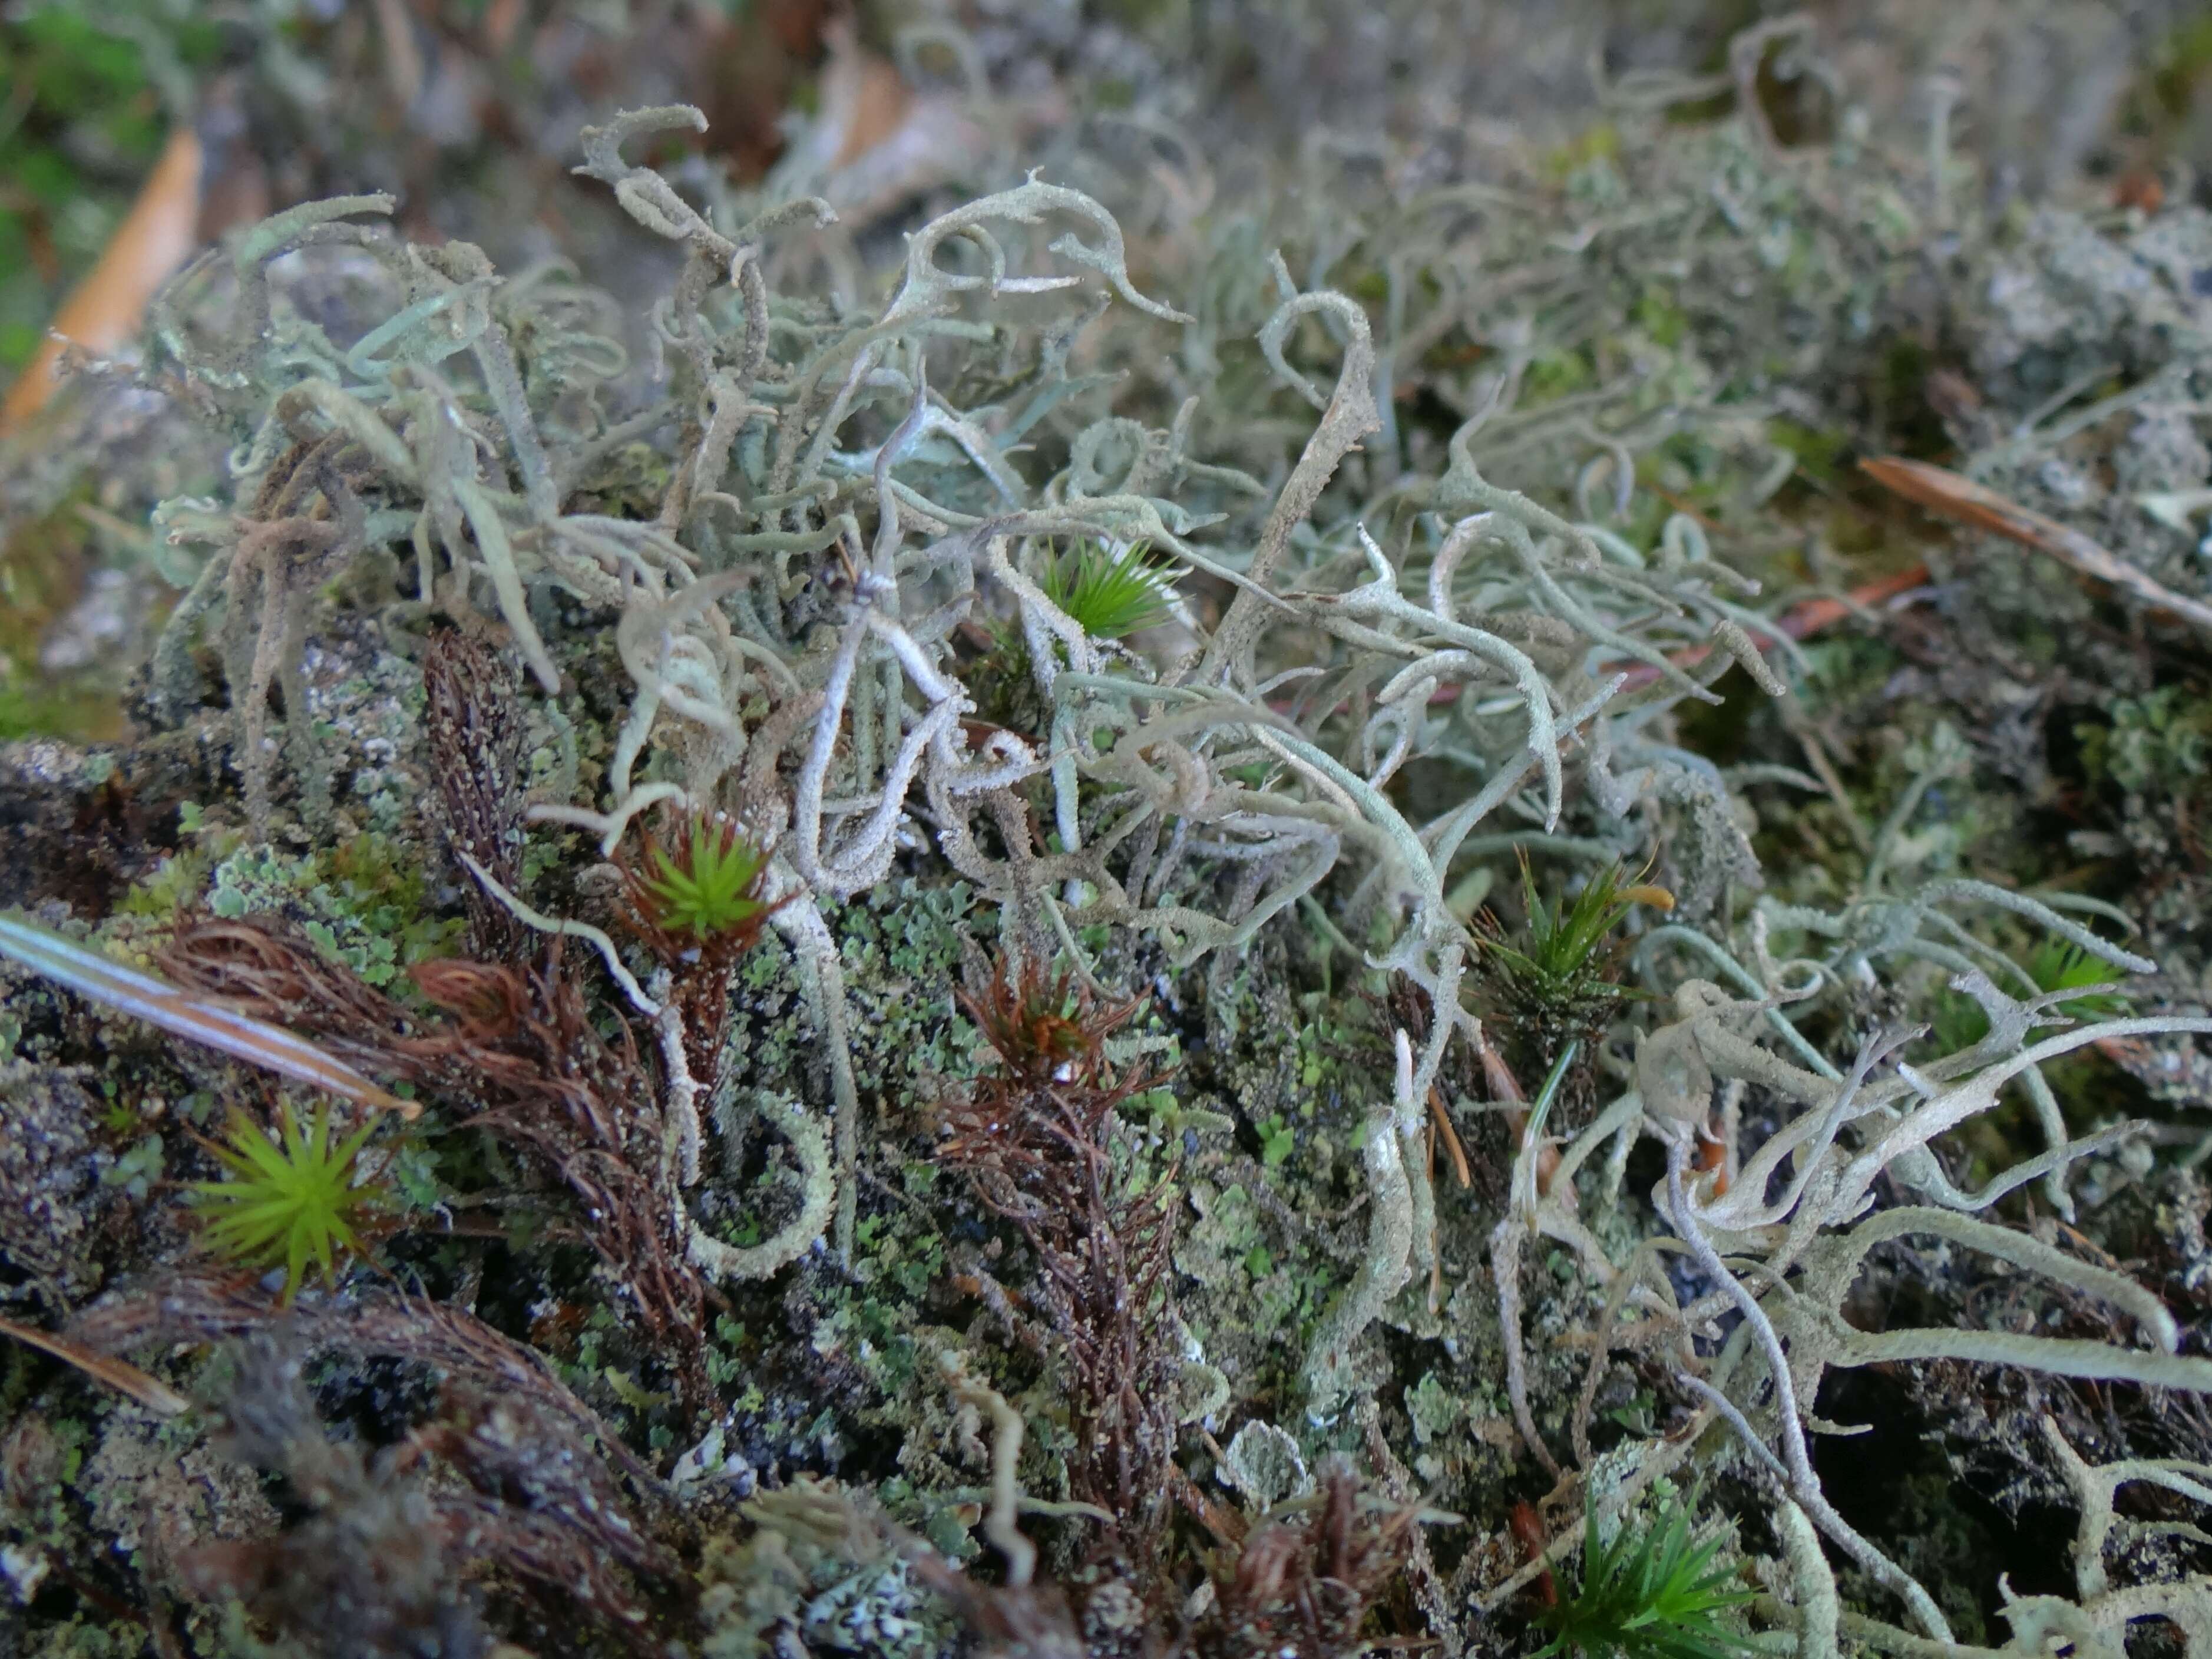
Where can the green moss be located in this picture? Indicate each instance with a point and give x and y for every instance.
(1598, 143)
(177, 883)
(85, 117)
(810, 1562)
(26, 712)
(1110, 596)
(1676, 283)
(1434, 1408)
(2158, 745)
(1556, 374)
(709, 883)
(900, 945)
(2055, 965)
(1659, 315)
(2184, 68)
(1820, 455)
(362, 901)
(1650, 1589)
(43, 568)
(288, 1197)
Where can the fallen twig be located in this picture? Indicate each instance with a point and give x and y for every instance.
(156, 1396)
(189, 1014)
(1962, 499)
(103, 312)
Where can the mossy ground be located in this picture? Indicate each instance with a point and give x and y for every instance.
(2058, 741)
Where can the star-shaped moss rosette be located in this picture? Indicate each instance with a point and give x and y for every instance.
(290, 1197)
(1650, 1591)
(699, 894)
(1111, 595)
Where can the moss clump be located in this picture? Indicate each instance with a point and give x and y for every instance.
(1650, 1589)
(363, 901)
(2158, 749)
(290, 1198)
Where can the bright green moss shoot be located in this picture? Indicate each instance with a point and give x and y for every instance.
(1648, 1592)
(709, 885)
(1110, 596)
(290, 1197)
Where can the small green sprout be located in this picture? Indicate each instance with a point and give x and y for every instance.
(1648, 1592)
(1110, 596)
(705, 886)
(1555, 986)
(2057, 964)
(1564, 937)
(290, 1197)
(2062, 965)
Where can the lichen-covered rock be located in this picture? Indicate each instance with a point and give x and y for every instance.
(52, 1192)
